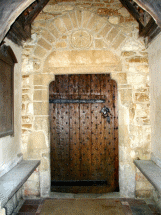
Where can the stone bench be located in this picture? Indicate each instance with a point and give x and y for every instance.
(13, 180)
(151, 171)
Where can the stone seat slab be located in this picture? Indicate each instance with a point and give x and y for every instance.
(151, 171)
(15, 178)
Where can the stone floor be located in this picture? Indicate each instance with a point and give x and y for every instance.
(130, 206)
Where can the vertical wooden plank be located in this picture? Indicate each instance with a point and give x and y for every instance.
(96, 129)
(74, 129)
(116, 161)
(64, 128)
(85, 128)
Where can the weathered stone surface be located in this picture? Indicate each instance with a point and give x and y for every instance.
(36, 141)
(40, 52)
(105, 30)
(44, 44)
(61, 44)
(114, 20)
(118, 41)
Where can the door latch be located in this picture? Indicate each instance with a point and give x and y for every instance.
(106, 113)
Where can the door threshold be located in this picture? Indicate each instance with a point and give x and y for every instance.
(58, 195)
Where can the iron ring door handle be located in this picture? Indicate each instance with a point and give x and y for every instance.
(105, 113)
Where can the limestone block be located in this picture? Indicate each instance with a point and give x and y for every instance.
(105, 30)
(143, 68)
(128, 53)
(92, 22)
(86, 16)
(57, 59)
(125, 96)
(45, 34)
(29, 108)
(47, 78)
(57, 8)
(25, 97)
(41, 95)
(52, 29)
(44, 44)
(67, 21)
(2, 211)
(79, 17)
(120, 78)
(43, 16)
(59, 25)
(27, 126)
(27, 119)
(124, 12)
(36, 142)
(41, 123)
(114, 20)
(40, 52)
(118, 41)
(99, 43)
(135, 79)
(36, 63)
(38, 79)
(25, 81)
(41, 108)
(44, 166)
(100, 23)
(73, 19)
(141, 97)
(111, 35)
(137, 59)
(61, 44)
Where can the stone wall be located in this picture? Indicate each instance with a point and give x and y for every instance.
(87, 37)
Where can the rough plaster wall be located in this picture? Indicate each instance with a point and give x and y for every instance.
(154, 52)
(10, 145)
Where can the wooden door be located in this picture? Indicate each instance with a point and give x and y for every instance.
(84, 142)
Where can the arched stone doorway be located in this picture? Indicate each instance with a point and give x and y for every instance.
(57, 48)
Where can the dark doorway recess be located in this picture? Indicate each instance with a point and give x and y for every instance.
(84, 139)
